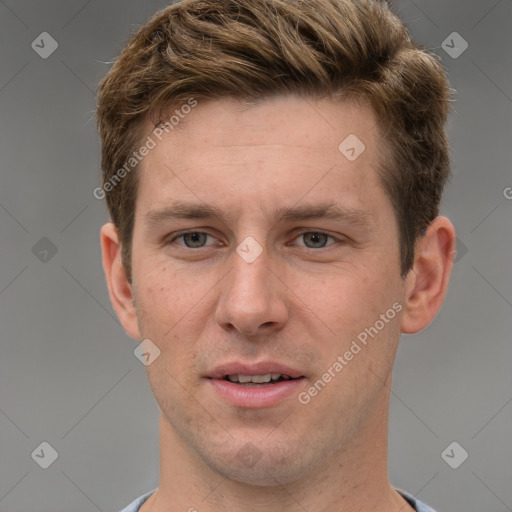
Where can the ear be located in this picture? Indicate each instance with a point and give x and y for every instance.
(427, 281)
(119, 288)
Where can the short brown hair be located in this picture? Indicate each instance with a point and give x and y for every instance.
(253, 49)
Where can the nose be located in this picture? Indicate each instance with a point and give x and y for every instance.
(252, 299)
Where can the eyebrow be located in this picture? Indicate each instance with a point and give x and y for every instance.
(330, 211)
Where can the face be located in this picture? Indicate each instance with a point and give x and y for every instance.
(260, 247)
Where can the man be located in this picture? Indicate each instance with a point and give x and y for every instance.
(273, 170)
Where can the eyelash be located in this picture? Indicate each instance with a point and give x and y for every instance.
(181, 235)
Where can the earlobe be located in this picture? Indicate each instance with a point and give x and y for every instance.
(427, 281)
(119, 288)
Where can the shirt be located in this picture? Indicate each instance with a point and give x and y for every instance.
(416, 504)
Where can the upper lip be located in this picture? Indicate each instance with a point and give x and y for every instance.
(260, 368)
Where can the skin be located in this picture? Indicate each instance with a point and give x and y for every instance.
(205, 305)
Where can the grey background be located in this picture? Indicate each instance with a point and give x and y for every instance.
(68, 374)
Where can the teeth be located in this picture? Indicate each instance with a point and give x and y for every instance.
(258, 379)
(261, 378)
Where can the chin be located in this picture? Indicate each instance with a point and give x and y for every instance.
(268, 467)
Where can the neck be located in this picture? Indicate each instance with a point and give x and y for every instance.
(353, 479)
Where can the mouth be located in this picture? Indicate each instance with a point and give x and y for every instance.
(263, 372)
(258, 380)
(255, 385)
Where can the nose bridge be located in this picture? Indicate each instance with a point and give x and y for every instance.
(251, 299)
(249, 277)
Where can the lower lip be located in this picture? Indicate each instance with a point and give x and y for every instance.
(256, 396)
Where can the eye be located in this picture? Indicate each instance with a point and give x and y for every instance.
(315, 239)
(198, 239)
(193, 239)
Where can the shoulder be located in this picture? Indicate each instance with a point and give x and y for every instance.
(416, 504)
(136, 504)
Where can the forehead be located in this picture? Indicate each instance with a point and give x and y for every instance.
(287, 119)
(278, 149)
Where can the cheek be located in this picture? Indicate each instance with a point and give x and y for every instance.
(348, 308)
(168, 301)
(348, 299)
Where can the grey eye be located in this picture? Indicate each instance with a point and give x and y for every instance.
(317, 240)
(194, 240)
